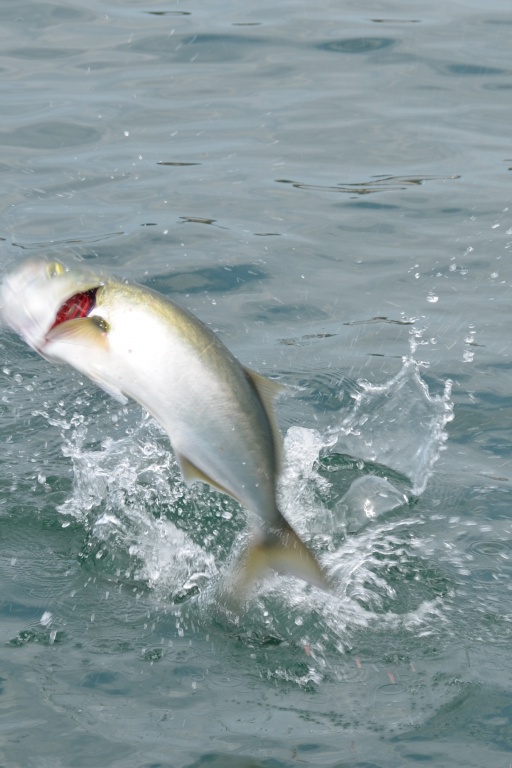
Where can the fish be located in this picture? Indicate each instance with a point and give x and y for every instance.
(136, 343)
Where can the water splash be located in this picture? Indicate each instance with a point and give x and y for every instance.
(121, 492)
(398, 424)
(143, 523)
(377, 456)
(337, 488)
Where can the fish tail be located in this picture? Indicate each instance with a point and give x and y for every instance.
(284, 551)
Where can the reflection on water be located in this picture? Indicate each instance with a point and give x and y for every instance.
(367, 188)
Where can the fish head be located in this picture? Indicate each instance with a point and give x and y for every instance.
(40, 296)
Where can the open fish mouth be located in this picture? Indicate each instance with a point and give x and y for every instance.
(76, 307)
(40, 299)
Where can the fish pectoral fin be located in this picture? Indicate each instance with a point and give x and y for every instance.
(90, 333)
(282, 551)
(191, 474)
(82, 332)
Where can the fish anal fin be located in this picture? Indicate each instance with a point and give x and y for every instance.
(191, 474)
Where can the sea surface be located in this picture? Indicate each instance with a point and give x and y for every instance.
(328, 186)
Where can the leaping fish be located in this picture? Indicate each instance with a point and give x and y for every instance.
(134, 342)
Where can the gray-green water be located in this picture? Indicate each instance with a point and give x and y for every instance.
(328, 186)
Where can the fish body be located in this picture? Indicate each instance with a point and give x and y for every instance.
(136, 343)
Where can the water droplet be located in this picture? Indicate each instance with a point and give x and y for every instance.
(46, 619)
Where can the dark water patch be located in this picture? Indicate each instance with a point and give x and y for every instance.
(38, 636)
(476, 712)
(488, 423)
(226, 760)
(200, 220)
(499, 22)
(99, 679)
(290, 312)
(381, 354)
(473, 70)
(373, 320)
(371, 206)
(176, 164)
(20, 610)
(497, 86)
(51, 135)
(356, 764)
(357, 44)
(326, 390)
(343, 469)
(153, 654)
(158, 765)
(207, 279)
(396, 21)
(380, 184)
(308, 338)
(168, 13)
(187, 671)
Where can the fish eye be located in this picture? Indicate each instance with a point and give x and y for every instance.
(55, 269)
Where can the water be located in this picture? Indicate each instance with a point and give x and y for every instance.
(328, 186)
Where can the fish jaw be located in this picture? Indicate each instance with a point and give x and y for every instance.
(32, 296)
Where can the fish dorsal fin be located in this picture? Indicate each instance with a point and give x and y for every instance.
(268, 390)
(191, 473)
